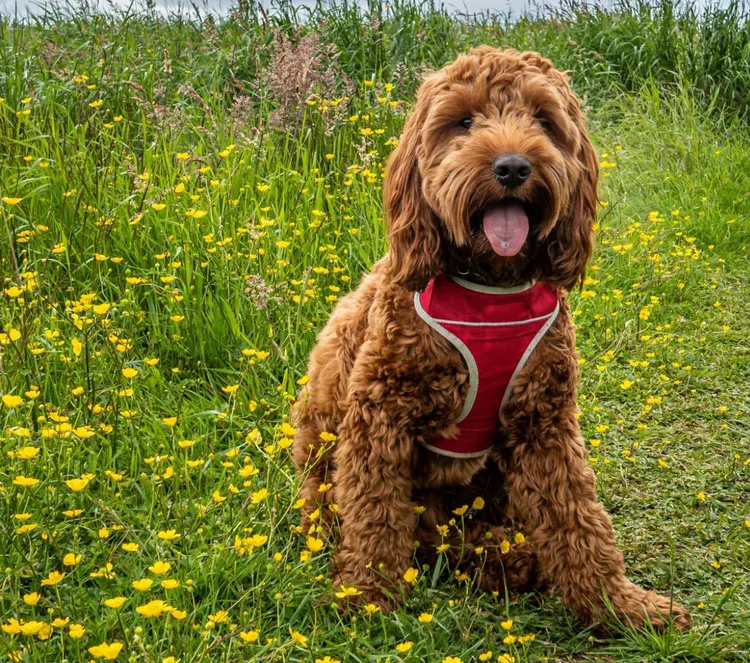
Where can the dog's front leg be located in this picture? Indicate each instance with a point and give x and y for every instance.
(551, 491)
(373, 491)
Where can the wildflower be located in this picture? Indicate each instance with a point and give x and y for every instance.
(25, 482)
(168, 535)
(249, 636)
(411, 575)
(153, 608)
(258, 496)
(52, 579)
(404, 647)
(11, 401)
(107, 651)
(77, 485)
(143, 584)
(115, 602)
(316, 545)
(452, 659)
(129, 373)
(11, 201)
(300, 639)
(425, 618)
(76, 631)
(31, 599)
(71, 559)
(506, 625)
(160, 568)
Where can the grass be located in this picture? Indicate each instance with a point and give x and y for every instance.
(152, 339)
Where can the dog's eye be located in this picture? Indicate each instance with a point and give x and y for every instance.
(465, 123)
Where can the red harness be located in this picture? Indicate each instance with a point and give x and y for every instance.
(495, 330)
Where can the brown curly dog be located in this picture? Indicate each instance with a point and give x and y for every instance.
(490, 199)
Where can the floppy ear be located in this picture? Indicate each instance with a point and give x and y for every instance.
(415, 254)
(570, 242)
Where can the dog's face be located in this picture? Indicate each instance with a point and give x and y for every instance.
(494, 175)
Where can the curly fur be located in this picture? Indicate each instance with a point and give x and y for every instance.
(383, 382)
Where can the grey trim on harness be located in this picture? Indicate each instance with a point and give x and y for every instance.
(491, 290)
(456, 454)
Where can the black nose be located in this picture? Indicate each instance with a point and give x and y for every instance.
(512, 170)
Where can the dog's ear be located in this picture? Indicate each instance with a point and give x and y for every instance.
(415, 243)
(569, 244)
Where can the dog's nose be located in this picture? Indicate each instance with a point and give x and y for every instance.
(512, 170)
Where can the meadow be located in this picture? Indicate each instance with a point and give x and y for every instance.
(185, 198)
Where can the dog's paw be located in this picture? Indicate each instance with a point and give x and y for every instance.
(646, 607)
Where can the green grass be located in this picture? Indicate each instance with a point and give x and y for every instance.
(663, 321)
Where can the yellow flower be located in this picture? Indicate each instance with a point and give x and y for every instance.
(288, 430)
(220, 617)
(77, 485)
(371, 608)
(158, 206)
(519, 538)
(12, 401)
(71, 559)
(115, 602)
(53, 578)
(168, 535)
(153, 608)
(13, 292)
(404, 647)
(505, 547)
(169, 421)
(452, 659)
(25, 482)
(258, 496)
(425, 618)
(178, 614)
(32, 598)
(314, 544)
(478, 503)
(129, 372)
(626, 384)
(142, 585)
(506, 625)
(11, 201)
(104, 650)
(170, 583)
(76, 631)
(160, 568)
(130, 547)
(300, 639)
(249, 636)
(101, 309)
(411, 575)
(97, 104)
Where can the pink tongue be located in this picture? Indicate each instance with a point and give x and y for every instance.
(506, 228)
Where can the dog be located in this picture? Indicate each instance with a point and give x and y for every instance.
(440, 412)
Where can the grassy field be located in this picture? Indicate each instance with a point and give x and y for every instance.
(183, 202)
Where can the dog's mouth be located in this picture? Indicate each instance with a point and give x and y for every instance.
(505, 224)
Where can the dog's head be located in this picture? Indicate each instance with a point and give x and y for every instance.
(494, 175)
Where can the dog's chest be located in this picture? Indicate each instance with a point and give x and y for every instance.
(434, 470)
